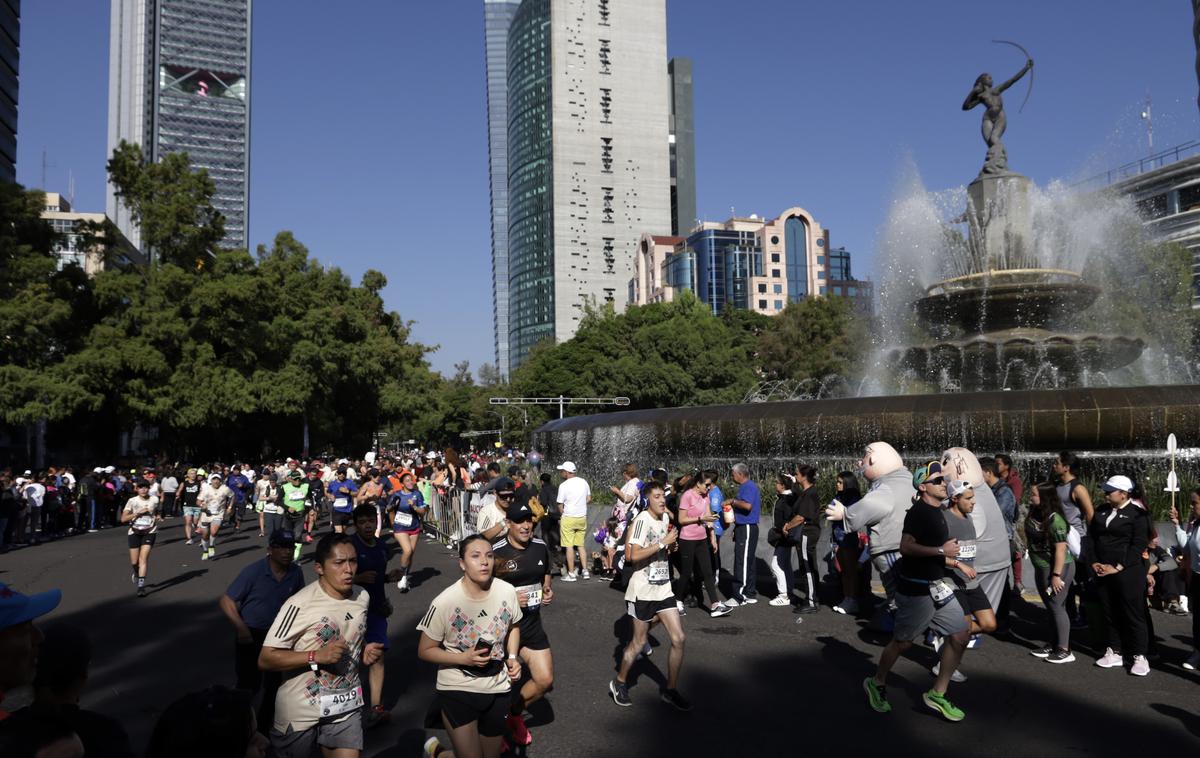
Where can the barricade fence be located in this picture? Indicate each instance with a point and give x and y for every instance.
(452, 513)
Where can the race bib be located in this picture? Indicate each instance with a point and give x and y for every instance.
(337, 702)
(533, 595)
(296, 495)
(967, 552)
(403, 520)
(941, 592)
(269, 507)
(144, 522)
(658, 572)
(341, 503)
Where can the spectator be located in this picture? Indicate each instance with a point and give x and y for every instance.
(1189, 539)
(20, 638)
(1163, 577)
(39, 736)
(1119, 534)
(214, 722)
(1046, 531)
(847, 545)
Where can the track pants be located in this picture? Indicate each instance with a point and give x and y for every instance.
(745, 570)
(1123, 603)
(806, 552)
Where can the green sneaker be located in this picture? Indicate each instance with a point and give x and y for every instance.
(939, 703)
(877, 696)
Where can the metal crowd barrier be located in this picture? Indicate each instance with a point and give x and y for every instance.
(451, 515)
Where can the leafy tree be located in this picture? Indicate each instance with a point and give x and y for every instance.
(814, 338)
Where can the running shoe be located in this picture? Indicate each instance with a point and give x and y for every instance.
(620, 693)
(749, 600)
(848, 607)
(876, 696)
(680, 608)
(212, 553)
(141, 592)
(203, 554)
(975, 641)
(402, 585)
(1042, 652)
(647, 651)
(520, 732)
(957, 676)
(569, 577)
(779, 600)
(1110, 659)
(935, 641)
(675, 700)
(719, 610)
(1061, 656)
(1141, 666)
(584, 574)
(1193, 662)
(432, 747)
(938, 702)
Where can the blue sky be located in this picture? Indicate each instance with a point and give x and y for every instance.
(369, 123)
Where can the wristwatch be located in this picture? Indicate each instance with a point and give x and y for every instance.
(312, 659)
(941, 551)
(661, 546)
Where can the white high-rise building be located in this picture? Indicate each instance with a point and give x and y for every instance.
(588, 157)
(179, 81)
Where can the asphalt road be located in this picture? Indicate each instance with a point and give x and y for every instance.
(759, 682)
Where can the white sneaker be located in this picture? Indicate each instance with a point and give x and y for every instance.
(848, 606)
(1110, 659)
(732, 603)
(584, 574)
(569, 577)
(1193, 662)
(1141, 666)
(719, 610)
(402, 585)
(780, 600)
(957, 676)
(204, 555)
(750, 601)
(679, 608)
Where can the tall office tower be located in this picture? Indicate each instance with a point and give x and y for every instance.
(588, 157)
(497, 16)
(683, 147)
(10, 46)
(179, 81)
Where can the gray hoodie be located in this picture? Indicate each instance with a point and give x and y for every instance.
(881, 511)
(991, 534)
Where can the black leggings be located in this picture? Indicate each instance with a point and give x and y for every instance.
(1123, 601)
(696, 554)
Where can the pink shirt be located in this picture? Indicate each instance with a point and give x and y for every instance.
(693, 505)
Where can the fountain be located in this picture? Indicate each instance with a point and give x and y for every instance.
(1009, 364)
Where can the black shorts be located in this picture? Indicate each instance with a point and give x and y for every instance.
(343, 519)
(973, 600)
(646, 610)
(138, 539)
(533, 636)
(461, 708)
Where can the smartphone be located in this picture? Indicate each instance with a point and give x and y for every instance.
(485, 645)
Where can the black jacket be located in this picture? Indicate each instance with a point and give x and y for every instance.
(1121, 541)
(808, 505)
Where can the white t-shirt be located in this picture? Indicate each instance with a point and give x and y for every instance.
(35, 494)
(629, 492)
(310, 620)
(573, 493)
(144, 521)
(170, 484)
(458, 622)
(214, 499)
(651, 578)
(489, 515)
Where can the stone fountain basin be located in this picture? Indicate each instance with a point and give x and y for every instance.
(1005, 305)
(987, 361)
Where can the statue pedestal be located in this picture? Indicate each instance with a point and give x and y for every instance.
(1000, 223)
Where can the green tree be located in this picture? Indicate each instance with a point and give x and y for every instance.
(814, 338)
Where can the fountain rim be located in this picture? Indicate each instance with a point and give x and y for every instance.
(959, 283)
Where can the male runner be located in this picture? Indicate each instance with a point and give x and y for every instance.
(960, 570)
(523, 561)
(649, 597)
(342, 490)
(215, 499)
(372, 576)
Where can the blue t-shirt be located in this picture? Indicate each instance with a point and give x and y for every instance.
(748, 492)
(404, 502)
(716, 500)
(259, 596)
(373, 558)
(343, 502)
(238, 483)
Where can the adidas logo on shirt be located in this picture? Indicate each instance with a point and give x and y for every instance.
(540, 563)
(483, 614)
(349, 616)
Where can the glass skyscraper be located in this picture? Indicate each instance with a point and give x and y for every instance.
(497, 17)
(179, 82)
(10, 46)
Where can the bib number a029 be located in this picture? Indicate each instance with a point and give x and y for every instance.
(337, 702)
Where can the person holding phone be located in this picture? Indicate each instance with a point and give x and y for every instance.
(471, 632)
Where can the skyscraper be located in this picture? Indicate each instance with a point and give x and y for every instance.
(683, 147)
(10, 46)
(179, 81)
(497, 16)
(588, 157)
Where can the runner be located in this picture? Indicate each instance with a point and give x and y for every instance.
(371, 493)
(648, 596)
(215, 499)
(314, 504)
(406, 507)
(316, 643)
(189, 497)
(373, 576)
(960, 570)
(251, 603)
(342, 490)
(242, 491)
(270, 514)
(524, 561)
(923, 597)
(292, 498)
(467, 631)
(141, 513)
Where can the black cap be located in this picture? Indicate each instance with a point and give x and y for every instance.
(282, 538)
(504, 485)
(518, 512)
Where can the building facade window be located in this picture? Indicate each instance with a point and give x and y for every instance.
(795, 232)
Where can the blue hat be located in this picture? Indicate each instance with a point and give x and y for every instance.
(16, 608)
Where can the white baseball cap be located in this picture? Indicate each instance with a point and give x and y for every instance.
(1118, 482)
(567, 466)
(958, 487)
(430, 455)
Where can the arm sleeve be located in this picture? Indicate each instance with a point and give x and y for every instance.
(286, 629)
(240, 587)
(1058, 529)
(433, 624)
(559, 497)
